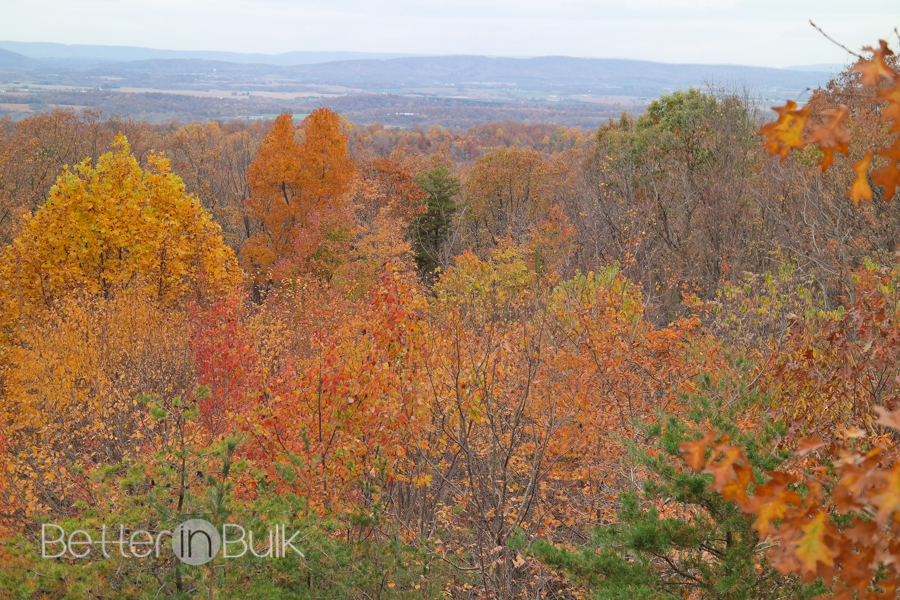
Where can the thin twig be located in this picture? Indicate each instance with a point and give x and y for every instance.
(832, 40)
(23, 569)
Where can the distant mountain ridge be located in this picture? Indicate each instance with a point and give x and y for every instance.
(443, 75)
(598, 74)
(94, 53)
(13, 60)
(168, 84)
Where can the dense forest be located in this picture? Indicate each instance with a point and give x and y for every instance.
(655, 359)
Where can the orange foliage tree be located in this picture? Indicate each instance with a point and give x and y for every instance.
(90, 299)
(525, 381)
(289, 180)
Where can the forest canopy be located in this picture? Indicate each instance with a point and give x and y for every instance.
(658, 359)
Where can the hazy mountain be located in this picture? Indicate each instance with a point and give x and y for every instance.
(445, 76)
(11, 60)
(360, 69)
(85, 53)
(162, 85)
(596, 74)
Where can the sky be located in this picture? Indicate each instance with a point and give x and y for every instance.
(773, 33)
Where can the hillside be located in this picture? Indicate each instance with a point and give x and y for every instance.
(12, 60)
(401, 91)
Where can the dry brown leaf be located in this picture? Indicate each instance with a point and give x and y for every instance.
(888, 419)
(832, 135)
(861, 189)
(891, 95)
(809, 445)
(872, 70)
(694, 453)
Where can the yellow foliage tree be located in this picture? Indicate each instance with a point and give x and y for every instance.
(110, 228)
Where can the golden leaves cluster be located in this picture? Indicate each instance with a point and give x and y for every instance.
(91, 315)
(70, 390)
(855, 552)
(786, 133)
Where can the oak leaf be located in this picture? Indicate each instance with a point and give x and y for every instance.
(770, 502)
(861, 189)
(856, 481)
(888, 419)
(872, 70)
(832, 135)
(809, 445)
(891, 95)
(694, 453)
(723, 470)
(888, 176)
(736, 489)
(861, 532)
(888, 500)
(786, 132)
(812, 547)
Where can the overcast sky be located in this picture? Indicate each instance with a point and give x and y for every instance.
(756, 32)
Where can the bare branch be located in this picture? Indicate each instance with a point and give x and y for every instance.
(832, 40)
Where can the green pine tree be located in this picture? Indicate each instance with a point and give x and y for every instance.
(431, 230)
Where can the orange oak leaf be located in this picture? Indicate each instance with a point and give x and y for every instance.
(786, 132)
(872, 70)
(888, 500)
(888, 176)
(770, 502)
(723, 470)
(891, 95)
(694, 453)
(861, 531)
(736, 489)
(856, 481)
(813, 547)
(861, 189)
(832, 135)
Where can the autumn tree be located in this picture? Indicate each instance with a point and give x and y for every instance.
(527, 376)
(110, 228)
(676, 196)
(71, 387)
(389, 185)
(830, 514)
(289, 180)
(34, 151)
(91, 296)
(213, 161)
(505, 195)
